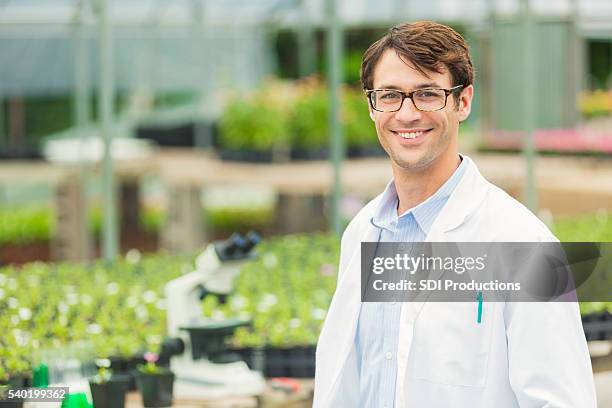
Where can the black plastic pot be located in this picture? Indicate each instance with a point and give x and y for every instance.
(295, 362)
(21, 152)
(126, 367)
(15, 381)
(250, 156)
(110, 394)
(156, 389)
(11, 404)
(597, 326)
(119, 365)
(122, 366)
(181, 135)
(366, 151)
(132, 365)
(302, 362)
(309, 154)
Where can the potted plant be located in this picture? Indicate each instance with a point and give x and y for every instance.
(310, 122)
(12, 376)
(107, 390)
(124, 360)
(154, 382)
(359, 131)
(255, 126)
(4, 387)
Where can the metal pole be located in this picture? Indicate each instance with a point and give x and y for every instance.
(577, 67)
(3, 133)
(529, 148)
(488, 69)
(105, 107)
(202, 125)
(82, 106)
(82, 111)
(307, 45)
(334, 49)
(3, 142)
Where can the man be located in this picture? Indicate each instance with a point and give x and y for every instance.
(419, 82)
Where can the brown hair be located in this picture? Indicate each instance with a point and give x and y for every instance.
(429, 46)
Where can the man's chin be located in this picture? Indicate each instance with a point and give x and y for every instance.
(417, 163)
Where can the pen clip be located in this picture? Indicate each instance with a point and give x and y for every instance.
(479, 298)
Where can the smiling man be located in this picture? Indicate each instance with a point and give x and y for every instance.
(418, 80)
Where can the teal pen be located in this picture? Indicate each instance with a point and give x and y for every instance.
(480, 300)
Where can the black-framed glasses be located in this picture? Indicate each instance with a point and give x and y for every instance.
(426, 100)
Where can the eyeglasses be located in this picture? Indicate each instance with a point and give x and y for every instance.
(425, 100)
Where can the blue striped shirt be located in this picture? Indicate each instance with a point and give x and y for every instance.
(378, 326)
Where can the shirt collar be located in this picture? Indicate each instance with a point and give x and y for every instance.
(424, 213)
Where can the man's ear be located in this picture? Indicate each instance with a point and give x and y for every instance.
(465, 102)
(371, 113)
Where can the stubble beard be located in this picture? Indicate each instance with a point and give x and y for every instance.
(432, 152)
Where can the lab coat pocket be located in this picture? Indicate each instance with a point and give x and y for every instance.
(450, 346)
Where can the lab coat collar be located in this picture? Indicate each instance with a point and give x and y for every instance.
(386, 210)
(462, 203)
(385, 215)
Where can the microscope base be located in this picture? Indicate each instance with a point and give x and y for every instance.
(203, 379)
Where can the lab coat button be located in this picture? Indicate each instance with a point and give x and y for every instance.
(388, 355)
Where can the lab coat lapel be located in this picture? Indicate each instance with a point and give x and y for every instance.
(465, 199)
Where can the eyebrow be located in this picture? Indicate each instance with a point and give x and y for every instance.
(418, 86)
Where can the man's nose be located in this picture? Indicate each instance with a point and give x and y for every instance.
(408, 112)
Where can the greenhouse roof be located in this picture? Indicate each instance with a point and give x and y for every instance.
(257, 11)
(142, 11)
(181, 45)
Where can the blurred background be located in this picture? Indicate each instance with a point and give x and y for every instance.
(136, 133)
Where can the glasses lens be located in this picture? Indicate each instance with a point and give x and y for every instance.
(429, 99)
(386, 101)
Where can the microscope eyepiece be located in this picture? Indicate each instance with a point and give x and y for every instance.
(237, 246)
(252, 239)
(231, 247)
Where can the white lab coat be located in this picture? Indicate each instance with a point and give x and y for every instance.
(521, 355)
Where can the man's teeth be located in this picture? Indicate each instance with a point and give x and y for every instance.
(410, 135)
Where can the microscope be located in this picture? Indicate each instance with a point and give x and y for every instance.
(196, 345)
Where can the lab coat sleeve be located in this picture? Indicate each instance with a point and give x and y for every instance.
(327, 392)
(549, 364)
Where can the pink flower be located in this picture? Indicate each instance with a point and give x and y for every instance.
(327, 269)
(151, 357)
